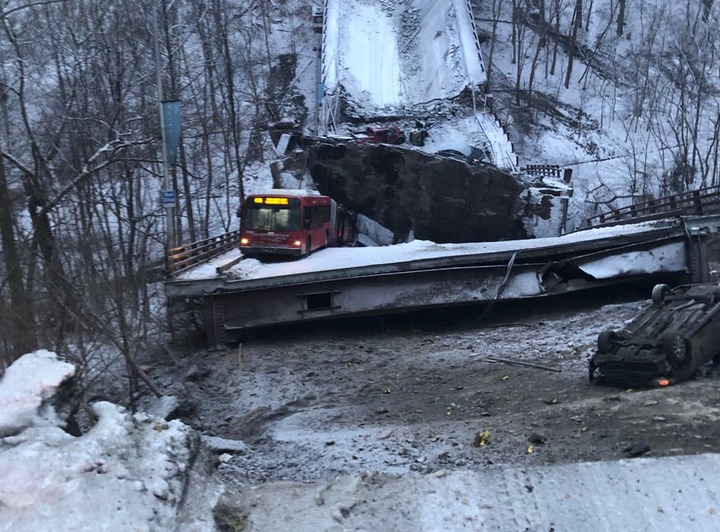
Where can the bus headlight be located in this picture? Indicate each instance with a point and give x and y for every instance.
(297, 243)
(244, 241)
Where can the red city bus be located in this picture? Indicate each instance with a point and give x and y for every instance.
(290, 222)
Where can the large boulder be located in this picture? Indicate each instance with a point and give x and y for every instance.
(407, 190)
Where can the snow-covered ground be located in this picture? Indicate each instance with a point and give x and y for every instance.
(140, 472)
(632, 495)
(616, 123)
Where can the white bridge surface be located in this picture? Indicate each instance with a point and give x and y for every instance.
(343, 282)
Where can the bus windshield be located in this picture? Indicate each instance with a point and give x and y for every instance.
(272, 218)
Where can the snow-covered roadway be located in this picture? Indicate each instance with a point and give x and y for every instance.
(397, 54)
(388, 59)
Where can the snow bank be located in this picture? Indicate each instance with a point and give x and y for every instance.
(129, 472)
(25, 388)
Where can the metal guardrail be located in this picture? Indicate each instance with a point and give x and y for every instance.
(548, 170)
(697, 202)
(469, 6)
(182, 258)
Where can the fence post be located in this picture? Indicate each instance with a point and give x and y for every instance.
(698, 202)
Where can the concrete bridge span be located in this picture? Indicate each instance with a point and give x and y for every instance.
(239, 294)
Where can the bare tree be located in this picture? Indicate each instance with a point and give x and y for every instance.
(542, 30)
(496, 10)
(67, 149)
(620, 18)
(21, 332)
(572, 47)
(518, 32)
(81, 225)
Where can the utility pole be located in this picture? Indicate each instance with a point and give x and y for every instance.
(169, 199)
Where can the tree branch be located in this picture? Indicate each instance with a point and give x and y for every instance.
(110, 148)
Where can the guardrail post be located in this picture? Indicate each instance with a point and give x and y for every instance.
(697, 201)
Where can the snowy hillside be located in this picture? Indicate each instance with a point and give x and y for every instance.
(636, 113)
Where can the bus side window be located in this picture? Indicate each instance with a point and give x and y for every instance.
(323, 215)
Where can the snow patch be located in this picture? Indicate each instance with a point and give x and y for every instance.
(26, 386)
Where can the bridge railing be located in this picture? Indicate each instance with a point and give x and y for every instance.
(696, 202)
(186, 256)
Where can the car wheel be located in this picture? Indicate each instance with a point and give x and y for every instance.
(605, 341)
(592, 368)
(678, 348)
(659, 292)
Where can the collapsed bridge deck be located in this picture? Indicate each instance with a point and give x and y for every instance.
(342, 282)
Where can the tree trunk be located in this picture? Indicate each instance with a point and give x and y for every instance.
(222, 25)
(496, 7)
(22, 336)
(556, 17)
(542, 41)
(577, 18)
(621, 18)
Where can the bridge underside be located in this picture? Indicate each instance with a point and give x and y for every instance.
(528, 271)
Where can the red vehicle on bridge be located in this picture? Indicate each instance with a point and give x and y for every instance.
(293, 223)
(380, 134)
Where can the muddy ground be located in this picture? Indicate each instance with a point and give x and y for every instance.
(418, 393)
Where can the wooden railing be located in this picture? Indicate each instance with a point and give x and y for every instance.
(182, 258)
(696, 202)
